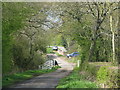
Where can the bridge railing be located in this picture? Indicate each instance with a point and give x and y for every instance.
(47, 65)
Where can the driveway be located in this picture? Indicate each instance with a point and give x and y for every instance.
(49, 80)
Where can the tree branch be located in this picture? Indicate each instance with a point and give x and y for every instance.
(92, 11)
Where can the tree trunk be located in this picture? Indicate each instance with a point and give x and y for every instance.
(92, 49)
(93, 43)
(68, 44)
(113, 40)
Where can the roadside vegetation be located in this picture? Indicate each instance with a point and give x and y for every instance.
(49, 50)
(59, 55)
(72, 60)
(76, 80)
(103, 73)
(18, 77)
(24, 42)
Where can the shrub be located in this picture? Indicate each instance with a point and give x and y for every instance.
(103, 73)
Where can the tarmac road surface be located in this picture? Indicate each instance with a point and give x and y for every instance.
(49, 80)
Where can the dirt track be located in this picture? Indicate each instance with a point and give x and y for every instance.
(49, 80)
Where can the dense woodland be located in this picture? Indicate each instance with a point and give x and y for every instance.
(28, 28)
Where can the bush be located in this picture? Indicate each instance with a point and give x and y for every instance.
(14, 15)
(102, 73)
(107, 77)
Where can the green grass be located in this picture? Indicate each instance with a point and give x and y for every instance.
(58, 54)
(75, 80)
(49, 50)
(17, 77)
(72, 60)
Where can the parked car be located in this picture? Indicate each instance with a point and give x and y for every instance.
(55, 48)
(74, 54)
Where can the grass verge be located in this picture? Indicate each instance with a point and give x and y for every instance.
(75, 80)
(17, 77)
(72, 60)
(49, 50)
(59, 55)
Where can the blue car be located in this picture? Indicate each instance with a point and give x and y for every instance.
(74, 54)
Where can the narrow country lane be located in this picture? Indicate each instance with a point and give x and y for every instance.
(49, 80)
